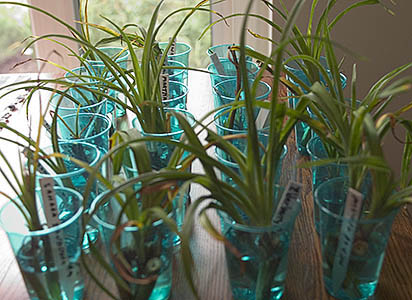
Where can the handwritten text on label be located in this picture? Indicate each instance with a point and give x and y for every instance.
(351, 214)
(288, 203)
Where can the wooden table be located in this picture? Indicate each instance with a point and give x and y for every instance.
(304, 278)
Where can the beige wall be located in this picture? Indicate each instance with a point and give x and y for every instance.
(223, 34)
(42, 25)
(386, 41)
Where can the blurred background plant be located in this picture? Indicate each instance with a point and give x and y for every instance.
(15, 20)
(139, 12)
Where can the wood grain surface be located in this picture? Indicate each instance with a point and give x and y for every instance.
(304, 278)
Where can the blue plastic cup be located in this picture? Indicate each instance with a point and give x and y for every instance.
(353, 274)
(65, 105)
(225, 92)
(178, 73)
(177, 95)
(85, 127)
(83, 87)
(303, 132)
(182, 55)
(223, 49)
(36, 251)
(182, 52)
(230, 71)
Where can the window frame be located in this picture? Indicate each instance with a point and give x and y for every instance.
(223, 34)
(42, 24)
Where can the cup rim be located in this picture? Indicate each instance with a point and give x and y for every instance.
(225, 60)
(109, 124)
(185, 91)
(69, 77)
(361, 219)
(121, 58)
(235, 165)
(295, 68)
(257, 229)
(220, 113)
(311, 142)
(261, 97)
(315, 156)
(53, 229)
(188, 48)
(110, 226)
(77, 172)
(166, 134)
(211, 48)
(179, 64)
(83, 107)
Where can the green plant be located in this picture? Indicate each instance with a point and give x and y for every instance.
(307, 44)
(354, 136)
(140, 85)
(140, 13)
(253, 167)
(343, 124)
(352, 132)
(37, 248)
(382, 196)
(249, 199)
(141, 201)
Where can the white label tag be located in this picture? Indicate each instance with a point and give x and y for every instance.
(288, 204)
(351, 215)
(262, 118)
(164, 86)
(172, 50)
(45, 169)
(66, 271)
(218, 65)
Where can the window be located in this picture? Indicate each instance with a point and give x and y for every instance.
(223, 34)
(139, 12)
(123, 11)
(15, 27)
(42, 24)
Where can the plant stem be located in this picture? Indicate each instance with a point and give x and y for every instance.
(238, 86)
(36, 285)
(52, 279)
(267, 270)
(267, 267)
